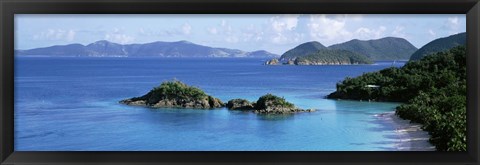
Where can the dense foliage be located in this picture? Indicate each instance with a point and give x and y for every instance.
(271, 100)
(441, 44)
(433, 90)
(389, 48)
(327, 56)
(173, 90)
(302, 50)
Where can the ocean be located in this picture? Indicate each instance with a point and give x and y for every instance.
(71, 104)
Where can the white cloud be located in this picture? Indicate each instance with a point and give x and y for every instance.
(324, 28)
(224, 23)
(186, 29)
(432, 33)
(284, 22)
(282, 29)
(355, 17)
(453, 21)
(142, 31)
(118, 36)
(399, 32)
(452, 25)
(70, 35)
(279, 39)
(231, 39)
(252, 33)
(212, 30)
(180, 30)
(226, 31)
(367, 33)
(56, 34)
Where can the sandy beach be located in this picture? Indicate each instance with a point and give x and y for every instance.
(412, 137)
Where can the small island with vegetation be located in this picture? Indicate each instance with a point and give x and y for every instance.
(175, 94)
(266, 104)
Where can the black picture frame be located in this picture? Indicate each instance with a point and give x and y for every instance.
(9, 8)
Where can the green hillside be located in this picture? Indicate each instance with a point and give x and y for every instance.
(389, 48)
(332, 57)
(302, 50)
(439, 45)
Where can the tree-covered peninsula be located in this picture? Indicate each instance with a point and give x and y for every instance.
(175, 94)
(388, 48)
(432, 89)
(324, 57)
(332, 57)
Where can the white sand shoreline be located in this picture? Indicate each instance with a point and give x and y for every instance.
(412, 137)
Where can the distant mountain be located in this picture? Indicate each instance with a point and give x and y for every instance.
(440, 45)
(388, 48)
(332, 57)
(302, 50)
(261, 53)
(155, 49)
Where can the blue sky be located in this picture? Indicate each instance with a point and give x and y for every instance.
(274, 33)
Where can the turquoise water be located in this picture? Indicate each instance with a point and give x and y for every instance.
(71, 104)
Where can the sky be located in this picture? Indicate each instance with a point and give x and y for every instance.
(274, 33)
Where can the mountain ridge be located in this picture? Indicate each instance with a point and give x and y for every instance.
(440, 45)
(104, 48)
(302, 50)
(386, 48)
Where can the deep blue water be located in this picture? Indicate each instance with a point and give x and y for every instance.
(71, 104)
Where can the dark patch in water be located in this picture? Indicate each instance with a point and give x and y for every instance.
(37, 135)
(275, 117)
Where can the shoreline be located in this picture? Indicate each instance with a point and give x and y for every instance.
(411, 135)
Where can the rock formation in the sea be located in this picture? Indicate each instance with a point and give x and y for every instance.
(272, 62)
(267, 104)
(290, 62)
(175, 94)
(240, 104)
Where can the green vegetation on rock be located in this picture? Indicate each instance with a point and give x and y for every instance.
(433, 90)
(266, 104)
(175, 94)
(388, 48)
(332, 57)
(270, 100)
(240, 104)
(302, 50)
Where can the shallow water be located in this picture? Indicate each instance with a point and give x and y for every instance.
(71, 104)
